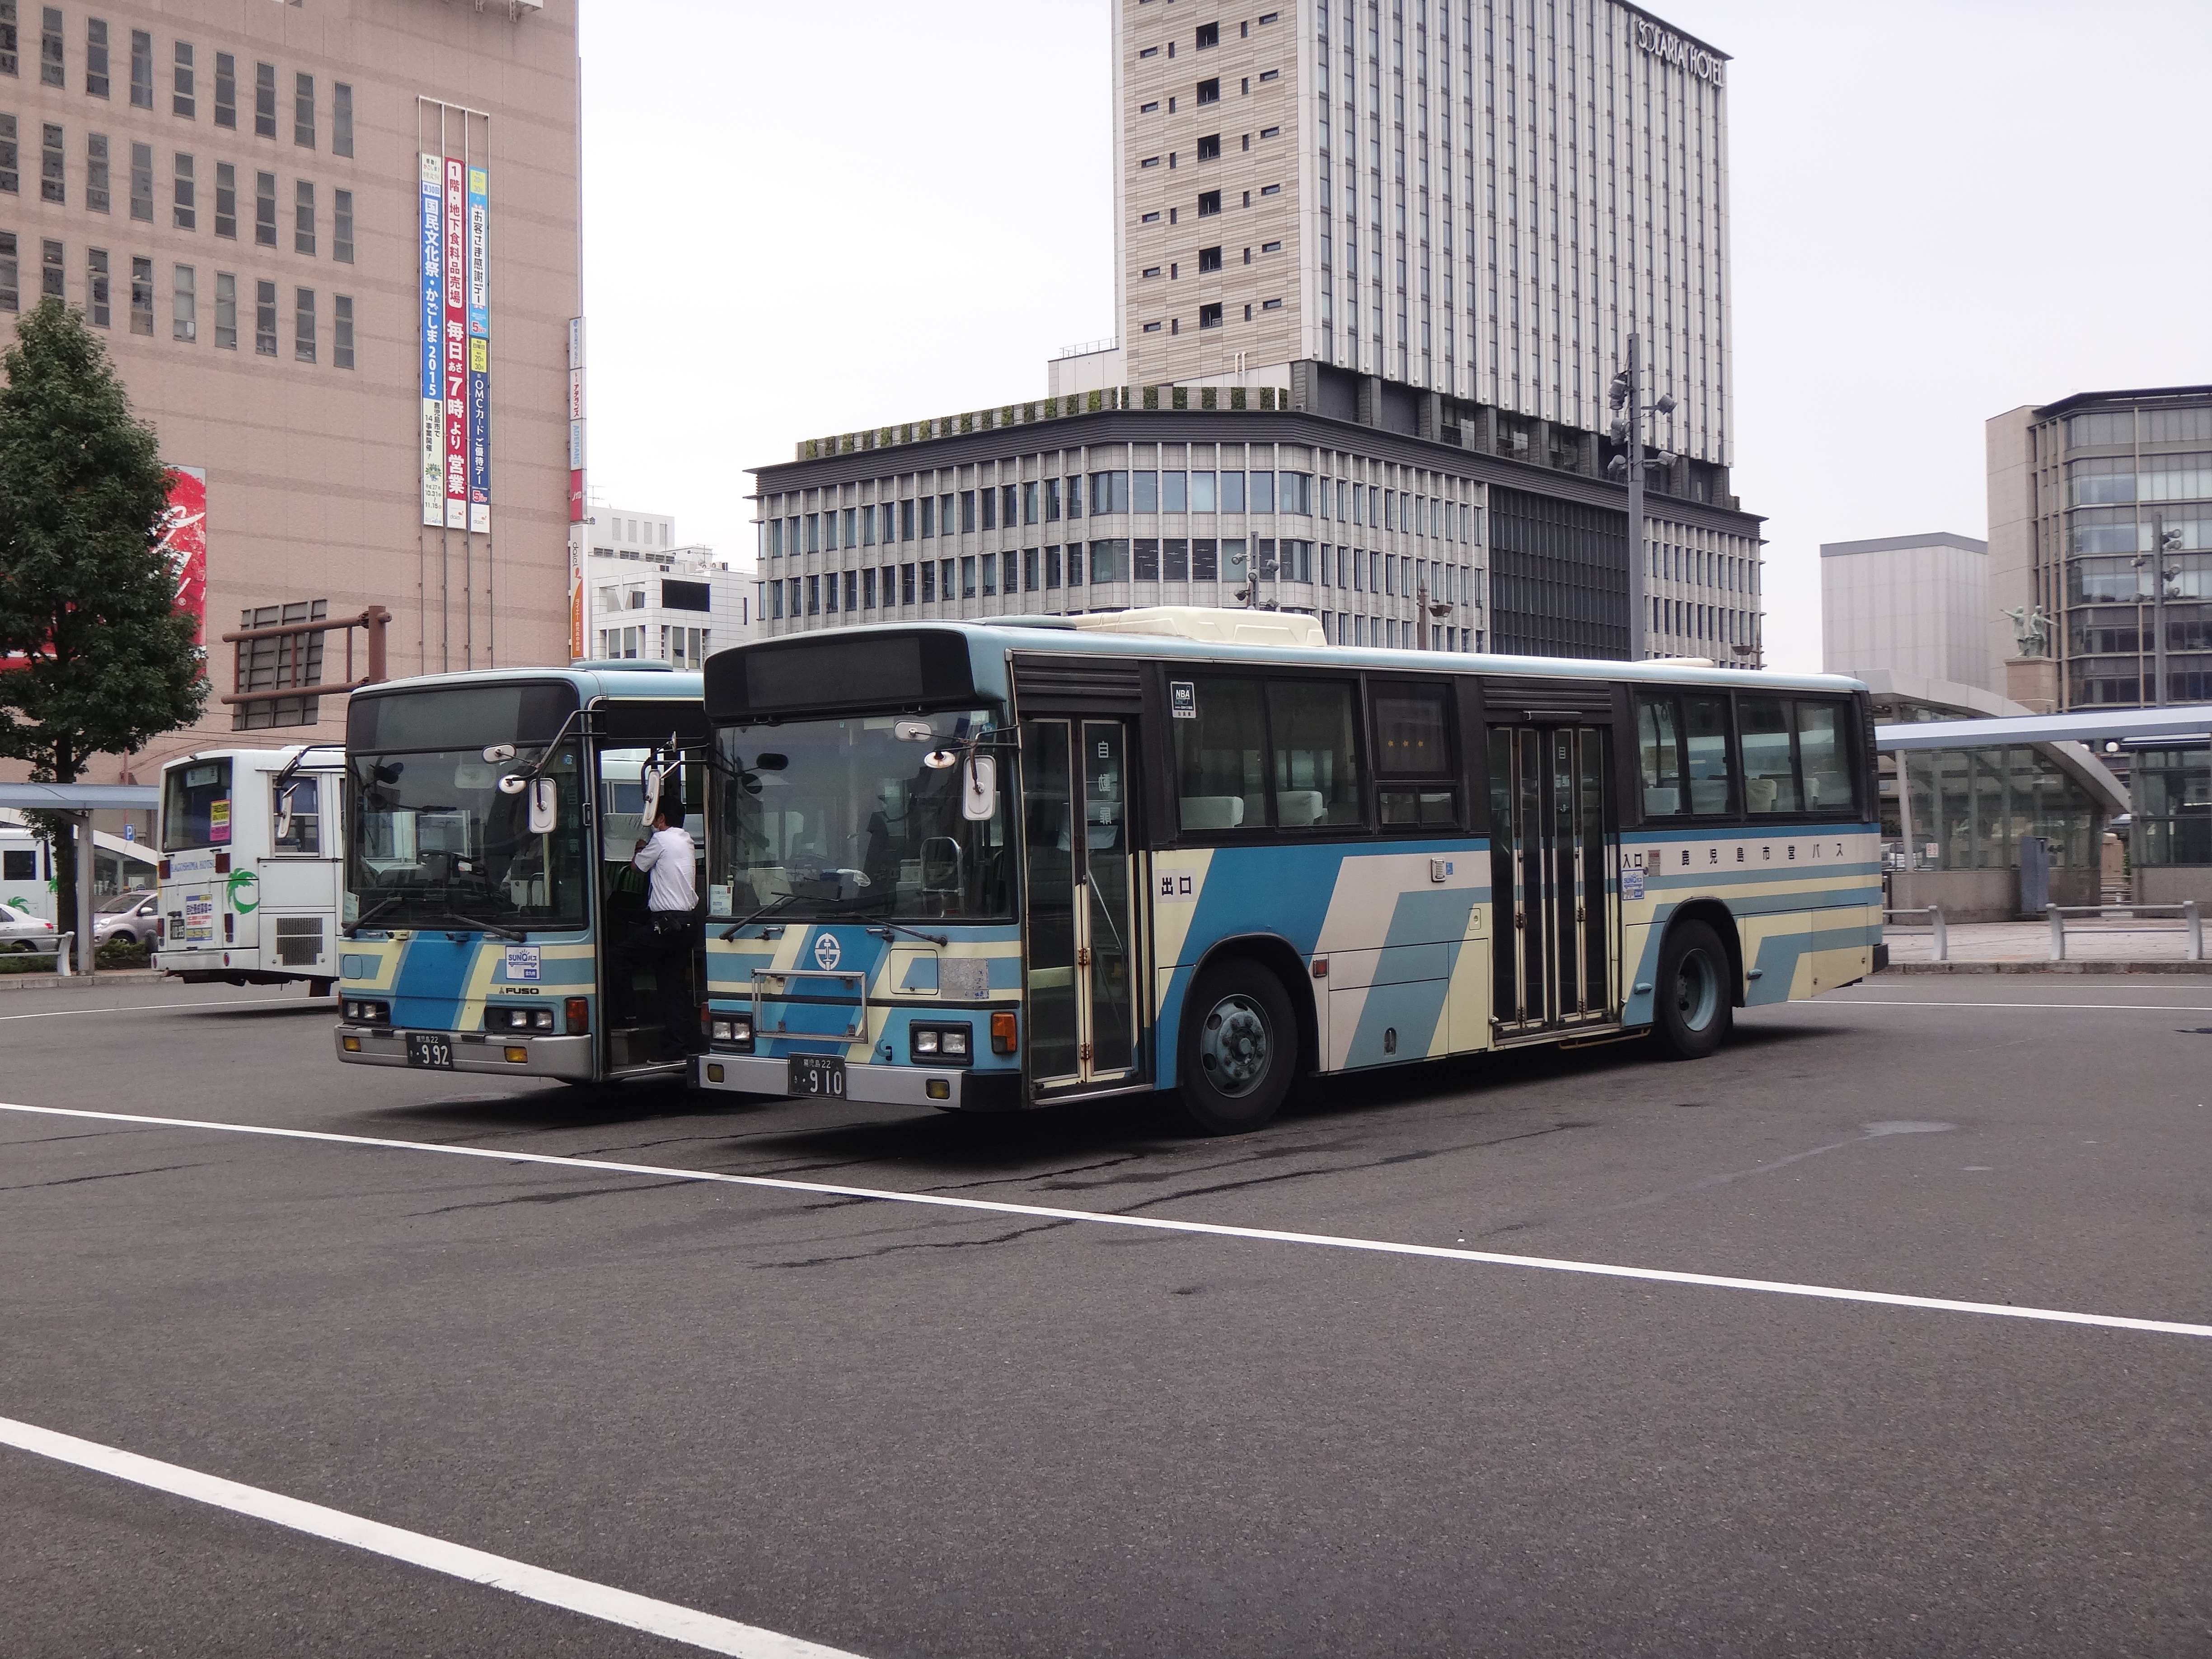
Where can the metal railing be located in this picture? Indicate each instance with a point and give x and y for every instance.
(60, 951)
(2192, 923)
(1940, 933)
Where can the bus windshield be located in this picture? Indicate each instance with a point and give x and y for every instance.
(435, 841)
(847, 816)
(196, 806)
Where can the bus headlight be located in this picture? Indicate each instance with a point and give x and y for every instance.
(361, 1010)
(949, 1044)
(519, 1018)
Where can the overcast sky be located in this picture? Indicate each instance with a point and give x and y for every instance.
(801, 220)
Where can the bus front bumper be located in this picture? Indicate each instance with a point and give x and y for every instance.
(568, 1057)
(942, 1089)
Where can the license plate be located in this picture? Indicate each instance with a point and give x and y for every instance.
(819, 1075)
(435, 1052)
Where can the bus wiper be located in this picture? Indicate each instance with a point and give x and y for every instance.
(887, 924)
(498, 929)
(376, 909)
(769, 909)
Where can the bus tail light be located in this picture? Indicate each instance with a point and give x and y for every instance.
(229, 925)
(578, 1012)
(1005, 1034)
(223, 863)
(165, 869)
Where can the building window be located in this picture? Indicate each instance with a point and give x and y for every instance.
(95, 172)
(1209, 147)
(142, 69)
(1209, 92)
(264, 101)
(264, 209)
(1271, 190)
(341, 225)
(1209, 203)
(185, 325)
(226, 310)
(264, 319)
(303, 217)
(11, 276)
(52, 170)
(10, 163)
(141, 182)
(226, 200)
(142, 297)
(50, 270)
(341, 118)
(50, 48)
(1209, 258)
(182, 99)
(1210, 316)
(96, 57)
(225, 91)
(187, 217)
(1270, 304)
(341, 330)
(303, 324)
(303, 110)
(96, 297)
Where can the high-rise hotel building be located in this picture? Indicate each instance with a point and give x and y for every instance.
(233, 194)
(1393, 250)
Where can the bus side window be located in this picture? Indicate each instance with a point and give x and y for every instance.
(1770, 772)
(1316, 742)
(1412, 757)
(1660, 748)
(1221, 774)
(300, 797)
(1821, 754)
(1705, 746)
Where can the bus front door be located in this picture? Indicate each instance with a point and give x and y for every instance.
(1080, 927)
(1552, 854)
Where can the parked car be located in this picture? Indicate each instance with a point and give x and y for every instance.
(22, 931)
(133, 917)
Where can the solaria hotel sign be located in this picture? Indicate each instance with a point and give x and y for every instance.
(1671, 48)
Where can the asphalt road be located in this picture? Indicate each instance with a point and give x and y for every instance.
(909, 1430)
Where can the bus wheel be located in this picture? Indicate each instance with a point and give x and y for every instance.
(1240, 1048)
(1694, 1011)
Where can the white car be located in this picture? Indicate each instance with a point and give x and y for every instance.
(22, 931)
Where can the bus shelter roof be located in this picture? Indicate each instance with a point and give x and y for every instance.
(80, 797)
(2189, 720)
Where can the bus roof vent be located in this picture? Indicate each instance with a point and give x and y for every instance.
(1687, 662)
(1214, 626)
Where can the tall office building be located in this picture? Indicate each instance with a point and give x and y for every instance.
(331, 250)
(1907, 604)
(2081, 493)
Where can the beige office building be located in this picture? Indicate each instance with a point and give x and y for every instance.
(232, 192)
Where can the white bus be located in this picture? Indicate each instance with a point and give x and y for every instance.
(27, 868)
(251, 843)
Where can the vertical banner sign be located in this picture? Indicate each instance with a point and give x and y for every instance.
(183, 543)
(457, 346)
(434, 334)
(579, 590)
(479, 352)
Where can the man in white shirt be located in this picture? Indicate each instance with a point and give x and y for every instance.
(665, 939)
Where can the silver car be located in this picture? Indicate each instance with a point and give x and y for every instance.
(22, 931)
(133, 917)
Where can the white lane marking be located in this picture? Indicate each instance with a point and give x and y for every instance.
(1159, 1224)
(155, 1007)
(1914, 1002)
(593, 1600)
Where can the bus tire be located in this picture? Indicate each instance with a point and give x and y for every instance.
(1693, 1009)
(1239, 1048)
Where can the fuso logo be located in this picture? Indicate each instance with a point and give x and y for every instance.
(826, 953)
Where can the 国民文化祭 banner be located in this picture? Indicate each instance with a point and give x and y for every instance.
(456, 323)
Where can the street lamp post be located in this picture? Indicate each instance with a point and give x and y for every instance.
(1424, 610)
(1627, 398)
(2163, 541)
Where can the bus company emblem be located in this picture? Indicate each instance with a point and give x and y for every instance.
(242, 892)
(826, 952)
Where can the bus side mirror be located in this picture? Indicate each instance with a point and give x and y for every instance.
(979, 792)
(284, 818)
(544, 805)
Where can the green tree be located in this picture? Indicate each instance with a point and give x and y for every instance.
(98, 660)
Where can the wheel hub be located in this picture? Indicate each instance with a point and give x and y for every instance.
(1233, 1045)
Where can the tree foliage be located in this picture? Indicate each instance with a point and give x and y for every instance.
(87, 600)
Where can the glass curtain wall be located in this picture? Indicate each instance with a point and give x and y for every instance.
(1971, 808)
(2172, 790)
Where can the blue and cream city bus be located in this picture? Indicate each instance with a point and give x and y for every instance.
(996, 865)
(491, 818)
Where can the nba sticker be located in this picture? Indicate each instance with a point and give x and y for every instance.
(522, 962)
(1183, 699)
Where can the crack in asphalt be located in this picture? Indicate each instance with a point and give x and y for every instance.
(116, 1175)
(942, 1244)
(552, 1198)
